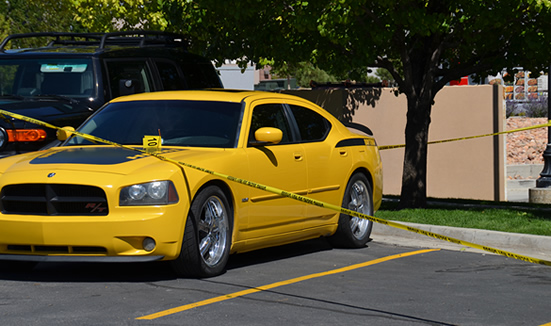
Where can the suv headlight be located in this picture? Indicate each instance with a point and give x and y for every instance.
(150, 193)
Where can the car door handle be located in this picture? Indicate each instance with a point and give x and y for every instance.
(298, 157)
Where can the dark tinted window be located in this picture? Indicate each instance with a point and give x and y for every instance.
(312, 126)
(46, 76)
(128, 77)
(270, 115)
(170, 78)
(200, 74)
(180, 123)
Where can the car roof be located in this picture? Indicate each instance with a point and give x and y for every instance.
(223, 95)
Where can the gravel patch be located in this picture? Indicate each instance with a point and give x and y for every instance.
(526, 147)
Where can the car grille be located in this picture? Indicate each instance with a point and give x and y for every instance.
(30, 249)
(53, 199)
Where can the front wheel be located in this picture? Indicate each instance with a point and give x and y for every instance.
(354, 232)
(207, 236)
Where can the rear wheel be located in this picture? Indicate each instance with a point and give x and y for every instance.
(207, 236)
(354, 232)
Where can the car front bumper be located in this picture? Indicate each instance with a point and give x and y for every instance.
(117, 237)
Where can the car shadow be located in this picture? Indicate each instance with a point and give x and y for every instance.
(278, 253)
(92, 272)
(153, 271)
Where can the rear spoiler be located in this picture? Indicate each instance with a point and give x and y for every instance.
(359, 127)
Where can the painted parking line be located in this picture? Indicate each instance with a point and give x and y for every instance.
(278, 284)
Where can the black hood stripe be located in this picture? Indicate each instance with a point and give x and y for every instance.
(94, 156)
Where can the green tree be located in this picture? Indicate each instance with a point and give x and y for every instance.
(4, 26)
(372, 79)
(309, 73)
(304, 72)
(384, 74)
(180, 16)
(423, 44)
(25, 16)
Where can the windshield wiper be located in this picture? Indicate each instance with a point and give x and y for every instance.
(57, 97)
(67, 99)
(13, 96)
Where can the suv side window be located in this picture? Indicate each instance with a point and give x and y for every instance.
(200, 73)
(170, 77)
(270, 115)
(312, 126)
(128, 77)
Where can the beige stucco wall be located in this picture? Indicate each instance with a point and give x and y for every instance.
(470, 169)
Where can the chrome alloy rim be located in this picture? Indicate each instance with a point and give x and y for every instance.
(3, 137)
(361, 203)
(213, 228)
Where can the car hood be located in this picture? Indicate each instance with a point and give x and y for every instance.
(88, 162)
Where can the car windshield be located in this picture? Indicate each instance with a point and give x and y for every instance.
(179, 122)
(42, 76)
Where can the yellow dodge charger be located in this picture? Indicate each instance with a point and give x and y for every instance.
(86, 201)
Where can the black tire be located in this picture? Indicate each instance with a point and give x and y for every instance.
(354, 232)
(207, 236)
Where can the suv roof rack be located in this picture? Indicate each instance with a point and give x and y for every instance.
(103, 40)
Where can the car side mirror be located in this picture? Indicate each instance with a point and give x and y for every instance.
(268, 135)
(62, 135)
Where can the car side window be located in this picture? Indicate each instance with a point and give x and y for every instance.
(128, 77)
(170, 77)
(200, 74)
(311, 125)
(270, 115)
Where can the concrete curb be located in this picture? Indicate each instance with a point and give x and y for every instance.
(524, 170)
(534, 246)
(521, 184)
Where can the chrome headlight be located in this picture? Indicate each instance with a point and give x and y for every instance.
(150, 193)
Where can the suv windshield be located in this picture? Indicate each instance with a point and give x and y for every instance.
(59, 77)
(180, 123)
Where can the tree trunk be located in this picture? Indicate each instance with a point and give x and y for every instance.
(414, 177)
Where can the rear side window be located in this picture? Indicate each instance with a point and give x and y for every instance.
(200, 73)
(170, 77)
(128, 77)
(311, 125)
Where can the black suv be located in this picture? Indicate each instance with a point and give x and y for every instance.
(74, 74)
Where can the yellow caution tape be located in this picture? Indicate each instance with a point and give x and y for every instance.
(472, 137)
(292, 195)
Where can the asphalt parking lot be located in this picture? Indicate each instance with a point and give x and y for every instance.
(308, 283)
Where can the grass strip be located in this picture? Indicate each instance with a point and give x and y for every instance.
(505, 217)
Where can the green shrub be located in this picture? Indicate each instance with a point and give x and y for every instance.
(537, 108)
